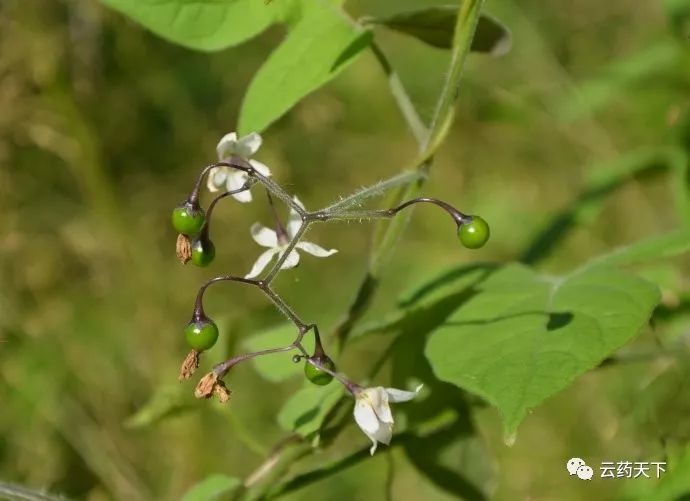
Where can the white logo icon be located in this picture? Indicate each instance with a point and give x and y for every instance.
(584, 472)
(573, 464)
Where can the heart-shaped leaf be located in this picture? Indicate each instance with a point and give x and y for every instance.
(201, 25)
(523, 336)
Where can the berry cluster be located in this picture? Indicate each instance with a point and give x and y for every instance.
(194, 244)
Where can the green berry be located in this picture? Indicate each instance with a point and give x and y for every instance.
(201, 334)
(316, 375)
(203, 252)
(188, 220)
(475, 233)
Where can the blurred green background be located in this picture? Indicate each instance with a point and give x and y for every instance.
(103, 129)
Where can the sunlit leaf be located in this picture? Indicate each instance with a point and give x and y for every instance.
(201, 25)
(316, 49)
(435, 25)
(216, 486)
(523, 336)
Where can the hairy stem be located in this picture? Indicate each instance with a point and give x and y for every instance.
(457, 216)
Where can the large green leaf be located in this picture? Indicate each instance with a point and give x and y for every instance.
(216, 486)
(201, 24)
(435, 26)
(523, 337)
(320, 45)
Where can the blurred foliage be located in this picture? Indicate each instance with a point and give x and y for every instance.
(578, 137)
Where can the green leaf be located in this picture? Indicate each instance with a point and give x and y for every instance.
(211, 488)
(432, 300)
(318, 47)
(165, 402)
(201, 25)
(435, 25)
(306, 410)
(278, 366)
(523, 337)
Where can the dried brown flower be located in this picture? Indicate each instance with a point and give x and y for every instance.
(210, 385)
(183, 248)
(189, 366)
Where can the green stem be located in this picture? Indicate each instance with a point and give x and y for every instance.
(387, 234)
(465, 26)
(417, 127)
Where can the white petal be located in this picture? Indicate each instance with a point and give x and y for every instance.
(261, 263)
(395, 395)
(368, 421)
(235, 181)
(262, 168)
(379, 402)
(248, 145)
(227, 145)
(384, 433)
(365, 416)
(383, 409)
(315, 250)
(216, 178)
(263, 236)
(291, 261)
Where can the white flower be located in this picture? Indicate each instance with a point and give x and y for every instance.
(373, 412)
(276, 244)
(233, 179)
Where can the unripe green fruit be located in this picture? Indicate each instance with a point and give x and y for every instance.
(316, 375)
(474, 234)
(188, 220)
(203, 252)
(201, 334)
